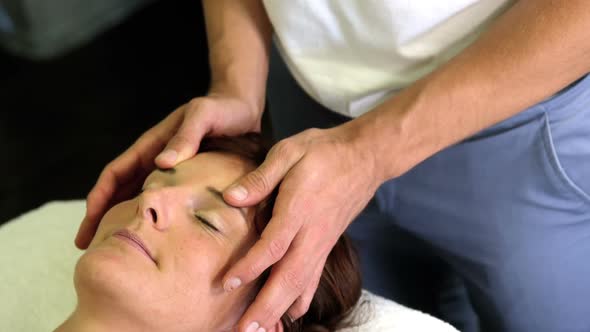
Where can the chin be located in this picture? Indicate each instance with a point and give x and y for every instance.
(113, 283)
(105, 275)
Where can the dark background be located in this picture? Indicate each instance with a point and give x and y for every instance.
(62, 120)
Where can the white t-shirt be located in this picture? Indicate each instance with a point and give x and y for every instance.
(351, 55)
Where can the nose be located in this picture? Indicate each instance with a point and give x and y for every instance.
(154, 207)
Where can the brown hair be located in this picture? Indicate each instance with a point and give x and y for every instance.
(339, 288)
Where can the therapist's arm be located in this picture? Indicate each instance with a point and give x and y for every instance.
(535, 49)
(239, 35)
(327, 176)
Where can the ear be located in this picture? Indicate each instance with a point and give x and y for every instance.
(277, 328)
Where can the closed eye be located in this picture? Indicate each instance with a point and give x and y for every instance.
(206, 223)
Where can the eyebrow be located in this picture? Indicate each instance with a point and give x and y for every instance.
(219, 195)
(167, 170)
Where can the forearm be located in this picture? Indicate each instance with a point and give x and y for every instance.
(239, 35)
(533, 50)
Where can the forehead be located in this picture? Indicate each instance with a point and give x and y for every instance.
(214, 168)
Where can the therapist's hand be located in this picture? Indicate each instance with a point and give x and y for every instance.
(326, 181)
(179, 135)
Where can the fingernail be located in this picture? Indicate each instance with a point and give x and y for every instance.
(238, 192)
(232, 284)
(262, 329)
(168, 156)
(253, 327)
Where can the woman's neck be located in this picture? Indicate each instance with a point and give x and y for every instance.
(85, 321)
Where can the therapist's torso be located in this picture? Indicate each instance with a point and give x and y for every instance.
(350, 55)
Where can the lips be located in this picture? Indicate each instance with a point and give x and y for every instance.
(134, 240)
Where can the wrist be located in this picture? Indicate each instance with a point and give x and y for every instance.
(254, 102)
(356, 134)
(243, 77)
(391, 136)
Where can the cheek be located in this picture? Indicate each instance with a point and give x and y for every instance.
(200, 257)
(197, 266)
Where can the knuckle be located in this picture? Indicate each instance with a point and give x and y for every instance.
(313, 131)
(91, 197)
(254, 270)
(109, 167)
(285, 148)
(148, 138)
(293, 280)
(269, 311)
(96, 194)
(258, 181)
(198, 106)
(180, 140)
(195, 104)
(276, 249)
(314, 171)
(108, 173)
(299, 308)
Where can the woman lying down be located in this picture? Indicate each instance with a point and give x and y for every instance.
(156, 261)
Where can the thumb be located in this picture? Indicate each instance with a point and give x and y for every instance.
(184, 144)
(258, 184)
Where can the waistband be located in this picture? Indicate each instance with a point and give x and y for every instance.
(558, 106)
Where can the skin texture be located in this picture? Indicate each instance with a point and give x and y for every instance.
(532, 51)
(119, 288)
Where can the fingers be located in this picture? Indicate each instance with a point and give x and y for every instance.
(272, 246)
(185, 143)
(99, 197)
(115, 175)
(286, 283)
(89, 224)
(258, 184)
(301, 305)
(122, 176)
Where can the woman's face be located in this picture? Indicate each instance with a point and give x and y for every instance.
(170, 276)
